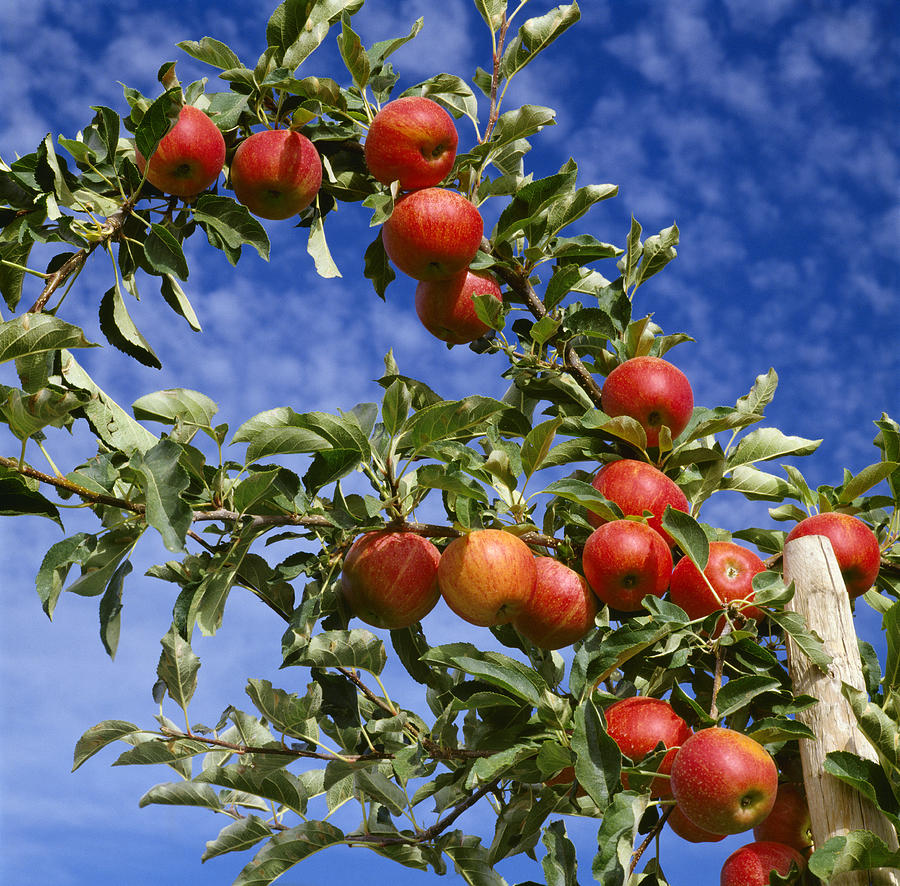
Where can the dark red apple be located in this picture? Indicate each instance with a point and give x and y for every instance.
(653, 392)
(389, 579)
(411, 140)
(432, 234)
(855, 547)
(638, 725)
(276, 173)
(788, 822)
(635, 487)
(724, 781)
(189, 157)
(730, 571)
(446, 309)
(624, 561)
(687, 830)
(561, 609)
(751, 864)
(487, 576)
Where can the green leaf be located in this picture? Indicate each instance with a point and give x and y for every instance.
(760, 395)
(357, 648)
(238, 836)
(759, 485)
(560, 863)
(809, 643)
(55, 567)
(176, 299)
(598, 760)
(174, 406)
(232, 222)
(448, 420)
(688, 535)
(856, 851)
(768, 443)
(492, 12)
(317, 247)
(878, 727)
(377, 266)
(178, 667)
(451, 91)
(518, 124)
(279, 785)
(36, 334)
(868, 778)
(537, 444)
(471, 860)
(535, 35)
(211, 51)
(111, 609)
(353, 54)
(616, 838)
(157, 120)
(183, 793)
(297, 27)
(866, 479)
(738, 692)
(287, 848)
(164, 481)
(586, 495)
(17, 498)
(287, 712)
(164, 252)
(12, 279)
(119, 329)
(99, 736)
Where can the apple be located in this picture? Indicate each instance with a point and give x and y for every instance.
(638, 725)
(730, 570)
(788, 822)
(432, 234)
(276, 173)
(687, 830)
(411, 140)
(189, 157)
(751, 864)
(855, 547)
(446, 309)
(487, 576)
(624, 561)
(389, 578)
(635, 487)
(561, 609)
(653, 392)
(724, 781)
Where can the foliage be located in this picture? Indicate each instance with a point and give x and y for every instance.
(494, 726)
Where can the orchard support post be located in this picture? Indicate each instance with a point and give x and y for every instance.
(821, 598)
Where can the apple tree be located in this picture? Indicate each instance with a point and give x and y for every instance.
(519, 717)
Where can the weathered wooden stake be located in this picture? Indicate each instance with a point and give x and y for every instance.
(821, 598)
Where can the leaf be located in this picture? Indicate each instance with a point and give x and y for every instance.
(765, 444)
(317, 247)
(357, 648)
(738, 692)
(586, 495)
(867, 777)
(377, 266)
(297, 27)
(809, 643)
(448, 420)
(287, 712)
(688, 535)
(880, 729)
(211, 51)
(598, 760)
(856, 851)
(111, 609)
(178, 667)
(353, 54)
(37, 334)
(287, 848)
(616, 838)
(17, 498)
(237, 837)
(535, 35)
(492, 12)
(471, 860)
(164, 253)
(866, 479)
(518, 124)
(278, 785)
(232, 222)
(99, 736)
(164, 481)
(760, 395)
(537, 444)
(759, 485)
(184, 793)
(157, 120)
(119, 329)
(55, 567)
(175, 405)
(560, 863)
(12, 279)
(174, 296)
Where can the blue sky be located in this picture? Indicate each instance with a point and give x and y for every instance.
(767, 129)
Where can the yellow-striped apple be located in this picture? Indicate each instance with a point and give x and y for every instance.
(687, 830)
(446, 309)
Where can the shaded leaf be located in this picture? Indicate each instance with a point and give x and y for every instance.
(36, 334)
(285, 849)
(99, 736)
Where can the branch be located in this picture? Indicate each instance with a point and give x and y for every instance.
(636, 855)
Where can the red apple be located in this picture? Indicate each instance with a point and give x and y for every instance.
(411, 140)
(724, 781)
(855, 547)
(751, 864)
(730, 570)
(687, 830)
(638, 725)
(561, 609)
(653, 392)
(432, 234)
(487, 576)
(190, 156)
(788, 822)
(389, 579)
(446, 309)
(276, 172)
(624, 561)
(635, 487)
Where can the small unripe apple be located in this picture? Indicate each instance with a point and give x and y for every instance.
(687, 830)
(446, 309)
(635, 487)
(638, 725)
(624, 561)
(561, 609)
(788, 822)
(189, 157)
(653, 392)
(751, 864)
(411, 140)
(487, 576)
(276, 173)
(389, 579)
(730, 570)
(724, 781)
(432, 234)
(855, 547)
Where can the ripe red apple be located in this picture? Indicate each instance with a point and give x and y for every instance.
(487, 576)
(635, 487)
(446, 309)
(653, 392)
(389, 579)
(855, 547)
(276, 172)
(411, 140)
(788, 822)
(687, 830)
(638, 725)
(730, 571)
(751, 864)
(561, 609)
(432, 234)
(624, 561)
(724, 781)
(190, 156)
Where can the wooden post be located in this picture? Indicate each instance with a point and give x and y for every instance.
(834, 807)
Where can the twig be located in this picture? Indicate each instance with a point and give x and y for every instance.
(636, 855)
